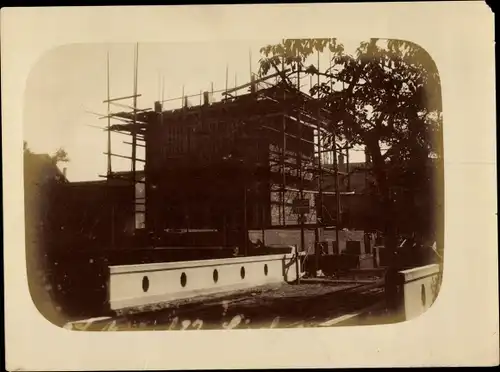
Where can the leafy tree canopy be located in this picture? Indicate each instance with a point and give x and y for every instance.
(386, 97)
(60, 156)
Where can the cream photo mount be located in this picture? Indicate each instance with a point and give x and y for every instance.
(387, 345)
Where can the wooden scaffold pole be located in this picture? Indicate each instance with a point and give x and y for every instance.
(283, 189)
(109, 166)
(319, 210)
(301, 175)
(336, 174)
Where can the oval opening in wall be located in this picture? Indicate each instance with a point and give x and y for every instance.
(242, 272)
(183, 279)
(266, 270)
(216, 276)
(145, 284)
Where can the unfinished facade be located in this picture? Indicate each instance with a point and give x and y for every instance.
(248, 162)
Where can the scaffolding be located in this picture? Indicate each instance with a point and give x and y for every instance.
(292, 133)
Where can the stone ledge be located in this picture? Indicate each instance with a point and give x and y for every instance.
(419, 272)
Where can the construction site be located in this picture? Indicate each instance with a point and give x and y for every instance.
(230, 194)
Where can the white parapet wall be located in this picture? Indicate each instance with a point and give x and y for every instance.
(420, 289)
(149, 284)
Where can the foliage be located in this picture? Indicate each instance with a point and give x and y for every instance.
(294, 53)
(60, 156)
(386, 97)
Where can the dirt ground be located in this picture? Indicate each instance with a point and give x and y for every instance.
(274, 306)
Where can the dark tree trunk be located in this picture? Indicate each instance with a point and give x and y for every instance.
(394, 264)
(388, 216)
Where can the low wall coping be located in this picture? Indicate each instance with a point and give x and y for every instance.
(419, 272)
(126, 269)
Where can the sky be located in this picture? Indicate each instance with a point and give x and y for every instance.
(69, 82)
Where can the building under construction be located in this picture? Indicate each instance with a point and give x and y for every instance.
(214, 176)
(214, 179)
(248, 162)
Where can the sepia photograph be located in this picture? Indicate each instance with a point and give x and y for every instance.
(249, 186)
(290, 183)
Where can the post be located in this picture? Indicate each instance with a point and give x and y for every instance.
(316, 251)
(297, 262)
(134, 133)
(245, 221)
(301, 174)
(283, 152)
(283, 170)
(347, 167)
(227, 79)
(336, 174)
(320, 181)
(109, 169)
(109, 118)
(262, 221)
(112, 224)
(302, 233)
(224, 229)
(337, 195)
